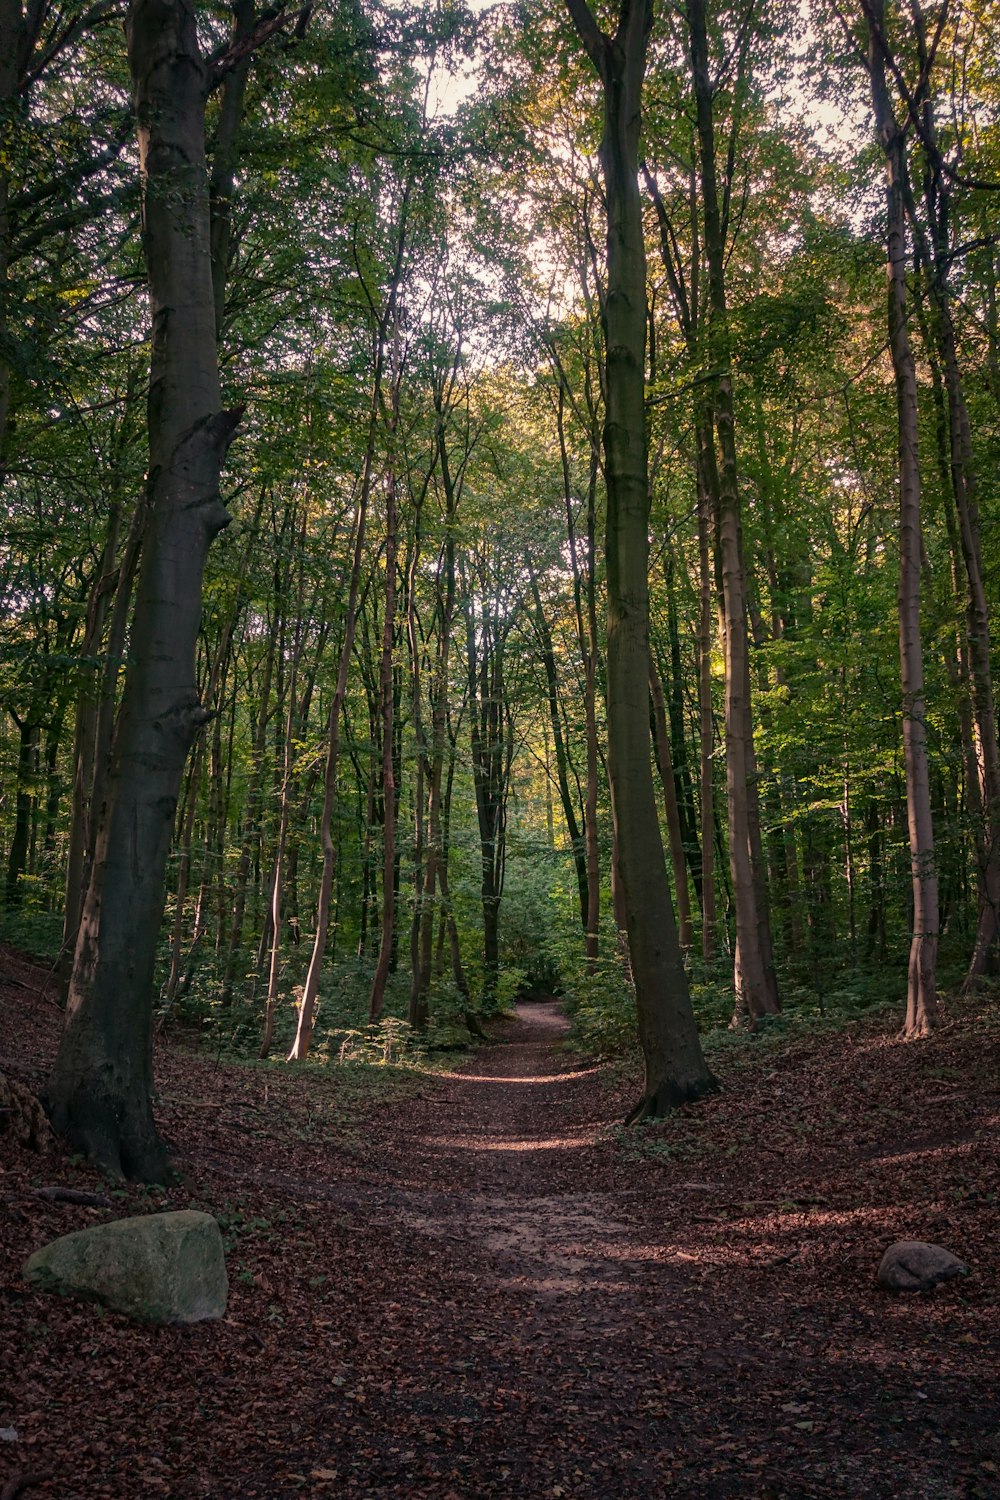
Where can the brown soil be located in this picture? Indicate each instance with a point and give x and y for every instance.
(486, 1289)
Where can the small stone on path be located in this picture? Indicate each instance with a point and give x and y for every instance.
(914, 1266)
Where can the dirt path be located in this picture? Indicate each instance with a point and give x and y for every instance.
(590, 1333)
(488, 1291)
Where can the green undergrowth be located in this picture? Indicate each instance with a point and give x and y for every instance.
(342, 1036)
(37, 933)
(601, 1006)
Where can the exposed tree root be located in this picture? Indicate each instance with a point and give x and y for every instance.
(125, 1147)
(656, 1104)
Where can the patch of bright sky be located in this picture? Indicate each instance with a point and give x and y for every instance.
(839, 126)
(451, 87)
(838, 120)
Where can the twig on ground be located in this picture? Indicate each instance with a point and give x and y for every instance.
(56, 1193)
(780, 1260)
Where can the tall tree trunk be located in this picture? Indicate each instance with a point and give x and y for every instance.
(281, 841)
(14, 48)
(706, 716)
(675, 837)
(310, 990)
(219, 669)
(387, 694)
(435, 872)
(250, 840)
(27, 758)
(577, 840)
(674, 705)
(756, 990)
(225, 156)
(101, 1086)
(675, 1069)
(585, 602)
(85, 745)
(922, 1010)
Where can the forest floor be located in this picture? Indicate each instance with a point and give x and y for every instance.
(474, 1284)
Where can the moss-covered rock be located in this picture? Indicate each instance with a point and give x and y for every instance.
(157, 1268)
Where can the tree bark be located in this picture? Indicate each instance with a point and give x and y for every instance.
(922, 1010)
(101, 1086)
(387, 695)
(675, 838)
(706, 716)
(756, 990)
(675, 1069)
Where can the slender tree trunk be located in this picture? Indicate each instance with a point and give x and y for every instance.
(756, 991)
(706, 716)
(280, 847)
(978, 615)
(310, 990)
(101, 1087)
(387, 693)
(674, 705)
(14, 47)
(225, 157)
(85, 747)
(250, 841)
(922, 1010)
(435, 874)
(585, 601)
(674, 836)
(457, 967)
(219, 668)
(578, 843)
(674, 1066)
(17, 855)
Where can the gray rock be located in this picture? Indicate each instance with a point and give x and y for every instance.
(157, 1268)
(913, 1266)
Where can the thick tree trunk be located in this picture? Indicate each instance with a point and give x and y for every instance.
(674, 1066)
(101, 1086)
(922, 1010)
